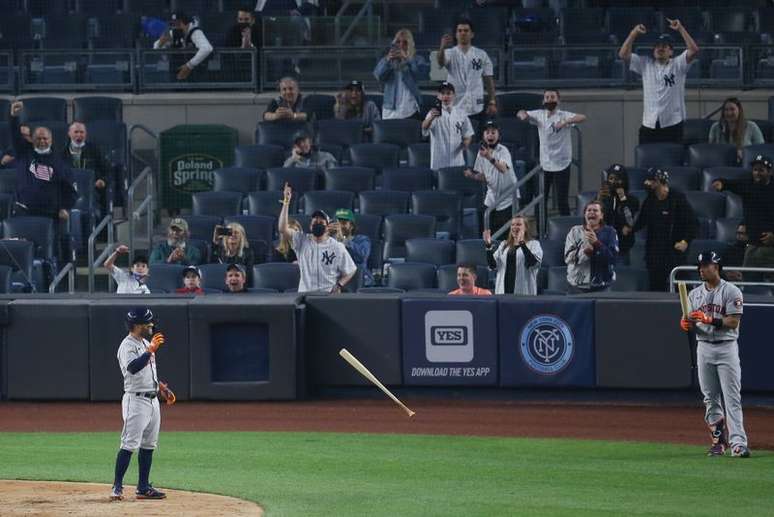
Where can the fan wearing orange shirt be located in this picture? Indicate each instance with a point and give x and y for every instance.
(466, 280)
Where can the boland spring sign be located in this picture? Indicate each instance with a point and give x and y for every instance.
(193, 172)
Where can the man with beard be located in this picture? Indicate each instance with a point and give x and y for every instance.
(175, 249)
(323, 262)
(590, 251)
(671, 225)
(185, 33)
(83, 154)
(358, 245)
(734, 256)
(494, 167)
(758, 197)
(305, 155)
(663, 83)
(618, 207)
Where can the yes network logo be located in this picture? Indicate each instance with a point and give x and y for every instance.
(547, 344)
(449, 336)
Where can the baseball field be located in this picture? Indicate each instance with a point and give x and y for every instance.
(355, 458)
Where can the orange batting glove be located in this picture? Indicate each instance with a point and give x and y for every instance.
(156, 341)
(686, 325)
(700, 317)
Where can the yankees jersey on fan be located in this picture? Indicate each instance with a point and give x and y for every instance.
(466, 70)
(724, 300)
(146, 379)
(555, 144)
(446, 135)
(321, 264)
(500, 186)
(663, 89)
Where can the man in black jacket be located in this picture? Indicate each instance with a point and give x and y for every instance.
(246, 33)
(619, 207)
(44, 182)
(671, 225)
(79, 153)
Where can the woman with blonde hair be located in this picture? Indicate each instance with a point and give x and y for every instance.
(284, 251)
(351, 104)
(232, 247)
(399, 71)
(734, 128)
(516, 260)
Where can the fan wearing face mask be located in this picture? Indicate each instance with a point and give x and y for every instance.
(80, 153)
(44, 182)
(133, 280)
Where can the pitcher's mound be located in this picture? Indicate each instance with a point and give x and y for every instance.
(58, 498)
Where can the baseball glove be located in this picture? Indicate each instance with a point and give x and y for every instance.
(166, 394)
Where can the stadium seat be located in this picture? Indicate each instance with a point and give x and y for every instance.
(39, 230)
(328, 201)
(213, 276)
(8, 181)
(408, 179)
(369, 225)
(19, 256)
(269, 203)
(261, 290)
(767, 128)
(512, 102)
(637, 177)
(340, 132)
(711, 205)
(204, 247)
(553, 252)
(751, 151)
(734, 205)
(237, 179)
(684, 178)
(620, 20)
(280, 133)
(383, 202)
(94, 108)
(558, 226)
(84, 213)
(452, 179)
(419, 155)
(220, 204)
(447, 277)
(320, 106)
(706, 155)
(5, 134)
(471, 251)
(557, 279)
(257, 227)
(400, 132)
(6, 272)
(6, 205)
(166, 278)
(733, 19)
(446, 207)
(522, 134)
(398, 228)
(300, 179)
(38, 109)
(431, 251)
(583, 199)
(729, 173)
(374, 156)
(658, 155)
(410, 276)
(629, 279)
(696, 131)
(725, 229)
(111, 138)
(351, 179)
(202, 226)
(282, 276)
(380, 290)
(257, 156)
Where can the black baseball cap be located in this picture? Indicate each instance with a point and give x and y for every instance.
(323, 215)
(234, 266)
(192, 269)
(763, 160)
(665, 39)
(446, 85)
(659, 175)
(354, 85)
(490, 124)
(616, 168)
(180, 16)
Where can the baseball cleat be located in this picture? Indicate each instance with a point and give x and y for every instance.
(116, 494)
(717, 449)
(740, 451)
(150, 493)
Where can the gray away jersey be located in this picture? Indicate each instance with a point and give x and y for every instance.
(144, 380)
(724, 300)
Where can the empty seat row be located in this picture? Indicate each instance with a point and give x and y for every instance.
(85, 109)
(702, 155)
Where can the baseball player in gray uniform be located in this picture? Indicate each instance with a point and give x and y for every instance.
(140, 404)
(716, 312)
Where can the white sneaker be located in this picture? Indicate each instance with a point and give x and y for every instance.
(117, 494)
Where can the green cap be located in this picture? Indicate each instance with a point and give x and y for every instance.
(345, 214)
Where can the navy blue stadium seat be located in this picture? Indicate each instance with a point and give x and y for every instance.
(512, 102)
(558, 226)
(269, 202)
(202, 226)
(319, 106)
(110, 137)
(398, 228)
(419, 155)
(280, 133)
(408, 179)
(369, 225)
(261, 290)
(401, 132)
(557, 279)
(751, 151)
(620, 20)
(213, 276)
(374, 156)
(725, 229)
(522, 135)
(220, 204)
(237, 179)
(6, 272)
(166, 278)
(734, 205)
(352, 179)
(728, 173)
(383, 202)
(446, 207)
(300, 179)
(380, 290)
(38, 109)
(340, 132)
(629, 279)
(282, 276)
(116, 30)
(6, 205)
(38, 230)
(553, 252)
(257, 227)
(711, 205)
(410, 276)
(684, 178)
(447, 277)
(19, 256)
(658, 155)
(471, 251)
(328, 201)
(91, 109)
(733, 19)
(706, 155)
(432, 251)
(582, 200)
(258, 156)
(696, 130)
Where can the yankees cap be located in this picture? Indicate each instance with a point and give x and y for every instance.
(764, 160)
(658, 175)
(616, 168)
(320, 213)
(446, 85)
(354, 85)
(235, 266)
(490, 124)
(192, 269)
(665, 39)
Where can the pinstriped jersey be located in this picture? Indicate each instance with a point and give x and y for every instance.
(146, 379)
(724, 300)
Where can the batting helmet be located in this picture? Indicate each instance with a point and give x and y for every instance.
(709, 257)
(139, 316)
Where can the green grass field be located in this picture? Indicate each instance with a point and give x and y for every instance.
(327, 474)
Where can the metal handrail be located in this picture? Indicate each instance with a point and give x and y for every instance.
(145, 207)
(673, 275)
(133, 156)
(95, 263)
(69, 272)
(577, 159)
(516, 208)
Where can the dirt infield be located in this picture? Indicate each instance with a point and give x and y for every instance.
(91, 499)
(500, 418)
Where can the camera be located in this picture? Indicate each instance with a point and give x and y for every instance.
(223, 231)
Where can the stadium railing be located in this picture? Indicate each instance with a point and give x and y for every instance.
(53, 70)
(693, 281)
(230, 69)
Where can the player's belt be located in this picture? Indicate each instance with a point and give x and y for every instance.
(146, 394)
(716, 342)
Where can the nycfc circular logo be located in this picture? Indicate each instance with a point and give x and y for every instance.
(547, 344)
